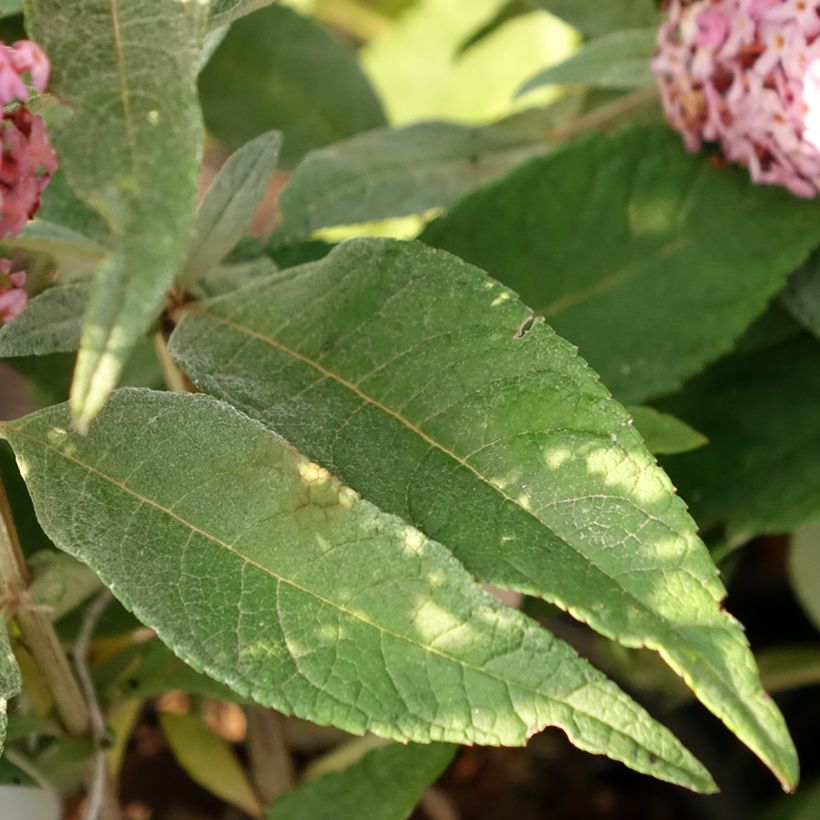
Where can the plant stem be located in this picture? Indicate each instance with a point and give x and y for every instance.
(175, 379)
(605, 115)
(36, 629)
(270, 763)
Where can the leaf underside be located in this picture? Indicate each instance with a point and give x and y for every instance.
(429, 389)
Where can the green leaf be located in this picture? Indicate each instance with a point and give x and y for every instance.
(52, 323)
(802, 294)
(397, 172)
(760, 472)
(296, 593)
(224, 11)
(612, 228)
(617, 60)
(8, 8)
(804, 569)
(428, 388)
(386, 784)
(59, 582)
(664, 434)
(229, 206)
(595, 18)
(279, 70)
(420, 74)
(228, 278)
(209, 760)
(9, 680)
(150, 669)
(131, 149)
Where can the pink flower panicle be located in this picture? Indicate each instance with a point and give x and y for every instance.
(746, 75)
(27, 162)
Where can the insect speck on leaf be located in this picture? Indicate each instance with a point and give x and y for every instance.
(525, 327)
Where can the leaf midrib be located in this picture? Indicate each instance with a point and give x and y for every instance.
(334, 605)
(124, 92)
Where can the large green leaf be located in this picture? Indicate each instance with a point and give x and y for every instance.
(131, 149)
(761, 413)
(9, 680)
(52, 323)
(386, 784)
(397, 172)
(646, 257)
(279, 70)
(428, 388)
(617, 60)
(293, 591)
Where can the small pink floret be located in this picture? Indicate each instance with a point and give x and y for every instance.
(30, 59)
(13, 299)
(746, 75)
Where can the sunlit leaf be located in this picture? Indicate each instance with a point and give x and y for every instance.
(432, 390)
(131, 149)
(293, 591)
(664, 434)
(643, 255)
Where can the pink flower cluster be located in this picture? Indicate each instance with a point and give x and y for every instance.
(27, 162)
(746, 74)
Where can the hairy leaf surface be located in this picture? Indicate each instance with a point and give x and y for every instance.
(52, 323)
(430, 389)
(294, 592)
(130, 149)
(229, 206)
(646, 257)
(386, 784)
(396, 172)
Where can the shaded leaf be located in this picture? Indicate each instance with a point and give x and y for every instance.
(228, 278)
(595, 18)
(386, 784)
(802, 294)
(293, 591)
(229, 206)
(277, 70)
(52, 323)
(664, 434)
(430, 389)
(612, 228)
(396, 172)
(131, 149)
(761, 414)
(209, 760)
(804, 569)
(617, 60)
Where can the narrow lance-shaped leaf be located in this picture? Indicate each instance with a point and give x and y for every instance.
(209, 760)
(9, 680)
(664, 434)
(397, 172)
(293, 591)
(229, 206)
(430, 389)
(130, 148)
(613, 228)
(617, 60)
(386, 784)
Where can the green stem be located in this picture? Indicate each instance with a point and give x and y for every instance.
(36, 629)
